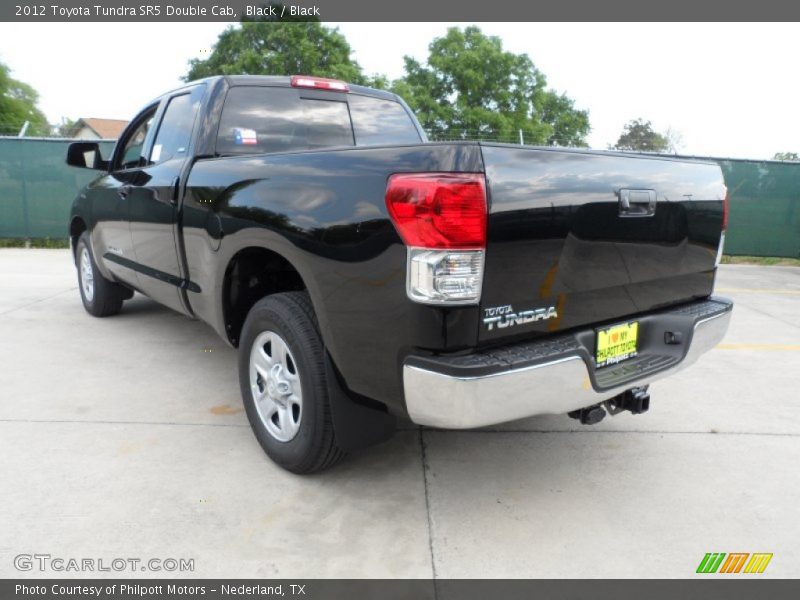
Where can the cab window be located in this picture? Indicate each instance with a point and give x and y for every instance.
(381, 121)
(133, 144)
(175, 130)
(273, 119)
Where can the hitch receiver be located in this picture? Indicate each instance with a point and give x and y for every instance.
(636, 400)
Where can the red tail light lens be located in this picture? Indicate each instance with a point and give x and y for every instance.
(725, 213)
(438, 210)
(319, 83)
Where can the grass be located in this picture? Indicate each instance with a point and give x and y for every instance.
(34, 243)
(767, 261)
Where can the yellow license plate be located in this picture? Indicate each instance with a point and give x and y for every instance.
(617, 343)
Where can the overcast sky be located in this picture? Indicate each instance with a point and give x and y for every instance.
(728, 89)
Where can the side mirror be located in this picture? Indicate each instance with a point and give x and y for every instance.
(85, 155)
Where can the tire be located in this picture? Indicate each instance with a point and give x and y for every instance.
(101, 297)
(283, 384)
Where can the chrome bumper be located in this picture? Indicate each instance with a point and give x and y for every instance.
(552, 386)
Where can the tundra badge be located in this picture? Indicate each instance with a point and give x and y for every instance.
(504, 316)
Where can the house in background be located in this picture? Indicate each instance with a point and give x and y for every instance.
(97, 129)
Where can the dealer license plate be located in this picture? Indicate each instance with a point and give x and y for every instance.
(617, 343)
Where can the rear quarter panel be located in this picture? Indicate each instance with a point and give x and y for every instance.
(325, 213)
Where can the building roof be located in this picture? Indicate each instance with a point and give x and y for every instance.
(107, 129)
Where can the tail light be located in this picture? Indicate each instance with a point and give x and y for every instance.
(441, 217)
(725, 210)
(724, 228)
(319, 83)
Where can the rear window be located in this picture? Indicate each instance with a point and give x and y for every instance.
(272, 119)
(378, 121)
(264, 119)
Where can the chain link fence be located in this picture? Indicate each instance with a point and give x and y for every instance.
(764, 203)
(29, 131)
(37, 189)
(519, 136)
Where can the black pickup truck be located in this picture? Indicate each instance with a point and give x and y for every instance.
(366, 274)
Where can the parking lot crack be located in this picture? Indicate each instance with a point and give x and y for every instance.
(16, 308)
(425, 469)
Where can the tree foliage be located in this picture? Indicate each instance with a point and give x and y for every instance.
(638, 135)
(279, 48)
(471, 84)
(675, 141)
(67, 127)
(18, 104)
(786, 156)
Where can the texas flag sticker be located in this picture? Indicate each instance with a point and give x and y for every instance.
(247, 137)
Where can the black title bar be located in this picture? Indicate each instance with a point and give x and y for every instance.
(404, 10)
(708, 588)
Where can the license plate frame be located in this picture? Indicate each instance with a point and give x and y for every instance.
(613, 344)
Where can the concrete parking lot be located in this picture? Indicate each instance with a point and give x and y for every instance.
(125, 437)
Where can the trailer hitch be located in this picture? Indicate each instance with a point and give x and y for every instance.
(635, 400)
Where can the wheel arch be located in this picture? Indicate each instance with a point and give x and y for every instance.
(252, 272)
(77, 226)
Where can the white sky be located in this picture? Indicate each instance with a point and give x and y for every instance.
(728, 89)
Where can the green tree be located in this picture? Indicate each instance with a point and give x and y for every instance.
(471, 84)
(674, 140)
(279, 48)
(18, 104)
(786, 156)
(638, 135)
(66, 128)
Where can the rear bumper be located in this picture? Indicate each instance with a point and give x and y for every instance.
(555, 375)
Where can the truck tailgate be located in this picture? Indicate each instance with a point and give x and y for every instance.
(579, 237)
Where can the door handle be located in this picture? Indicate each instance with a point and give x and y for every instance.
(176, 190)
(124, 190)
(637, 203)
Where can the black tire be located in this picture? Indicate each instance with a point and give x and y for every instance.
(106, 296)
(313, 446)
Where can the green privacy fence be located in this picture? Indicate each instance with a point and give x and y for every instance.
(764, 199)
(37, 189)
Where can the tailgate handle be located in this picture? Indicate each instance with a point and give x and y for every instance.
(637, 203)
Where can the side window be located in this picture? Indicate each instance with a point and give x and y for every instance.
(275, 119)
(175, 130)
(133, 144)
(379, 121)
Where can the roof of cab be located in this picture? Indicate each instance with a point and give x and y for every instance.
(273, 81)
(285, 81)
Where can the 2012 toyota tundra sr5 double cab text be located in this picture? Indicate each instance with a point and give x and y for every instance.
(367, 274)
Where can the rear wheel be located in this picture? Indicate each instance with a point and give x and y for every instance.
(100, 296)
(283, 384)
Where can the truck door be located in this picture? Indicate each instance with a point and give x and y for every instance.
(153, 191)
(111, 235)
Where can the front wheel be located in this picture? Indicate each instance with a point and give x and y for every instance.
(283, 384)
(101, 297)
